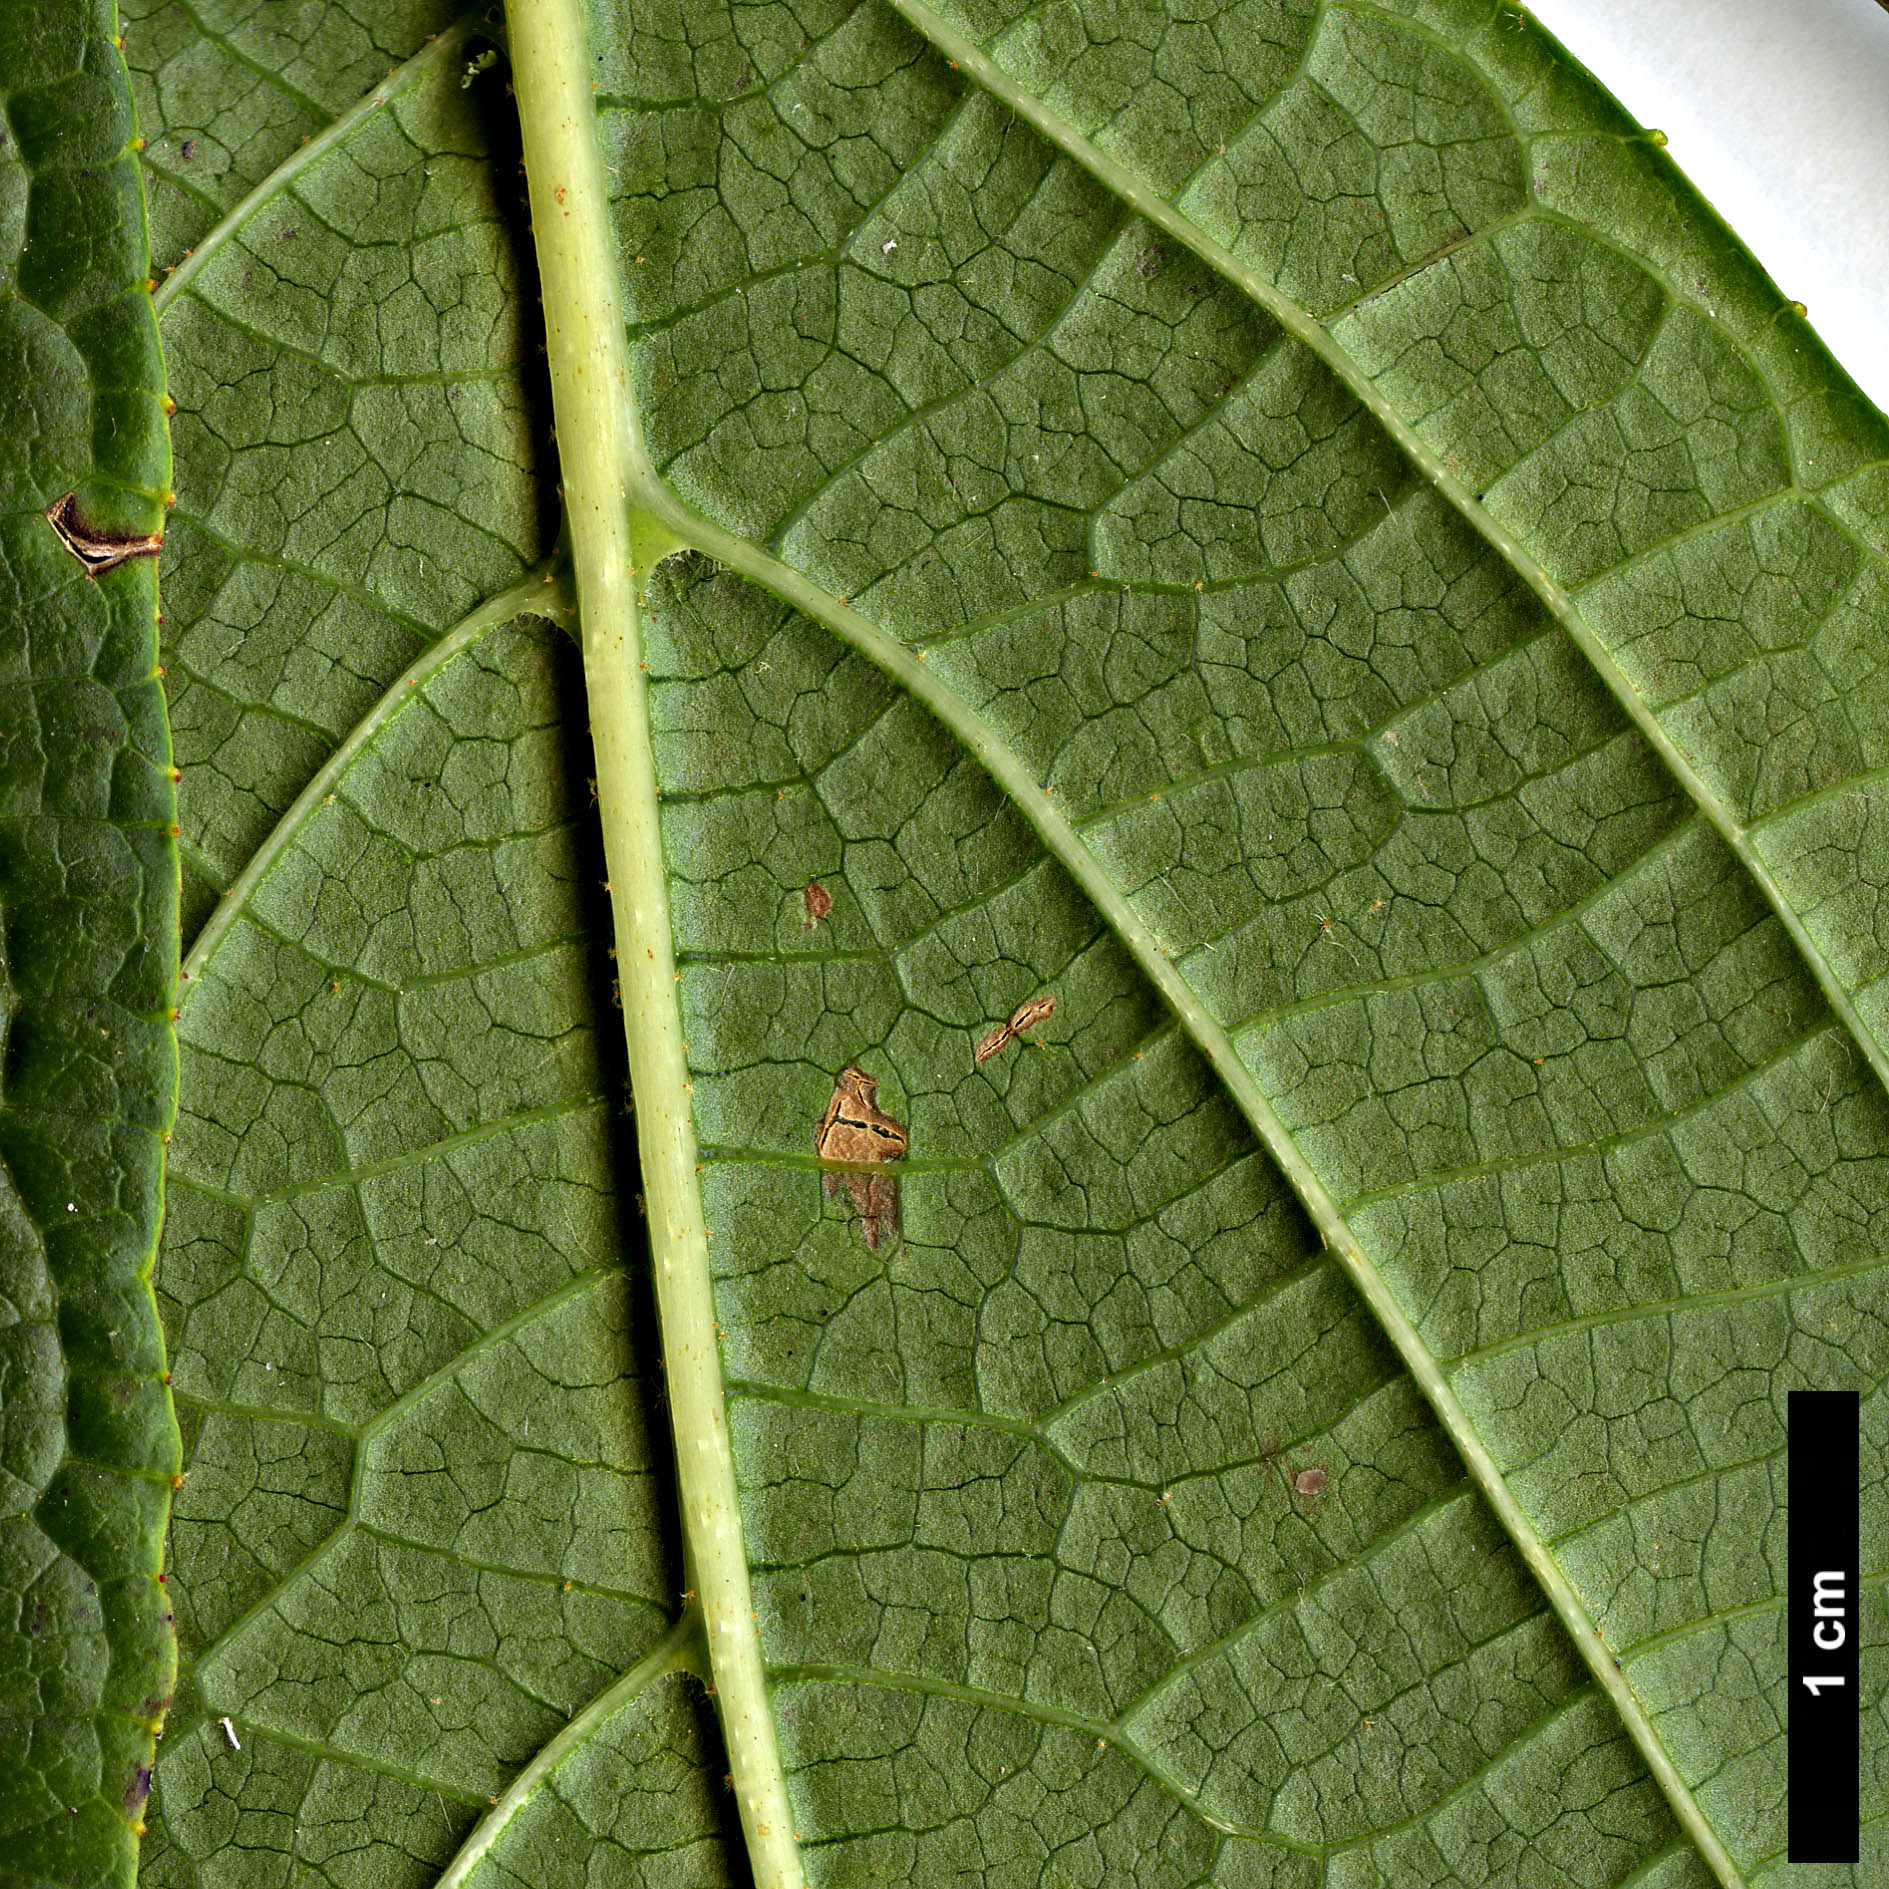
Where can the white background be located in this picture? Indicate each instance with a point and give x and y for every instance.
(1778, 111)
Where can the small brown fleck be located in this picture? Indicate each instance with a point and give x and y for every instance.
(1025, 1016)
(819, 903)
(1311, 1481)
(189, 149)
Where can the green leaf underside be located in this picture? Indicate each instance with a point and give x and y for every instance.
(1039, 1595)
(88, 943)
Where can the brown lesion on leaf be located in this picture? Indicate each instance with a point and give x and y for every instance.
(97, 550)
(854, 1129)
(1026, 1016)
(1306, 1486)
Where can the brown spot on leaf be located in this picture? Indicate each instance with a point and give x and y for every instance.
(97, 551)
(854, 1129)
(819, 903)
(1025, 1016)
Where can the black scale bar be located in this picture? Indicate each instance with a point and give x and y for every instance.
(1823, 1715)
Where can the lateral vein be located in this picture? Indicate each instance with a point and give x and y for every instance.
(1059, 836)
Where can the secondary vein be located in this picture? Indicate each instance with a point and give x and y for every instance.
(533, 593)
(432, 57)
(1306, 327)
(666, 1656)
(1059, 836)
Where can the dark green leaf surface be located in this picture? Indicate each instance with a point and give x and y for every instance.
(88, 964)
(1440, 585)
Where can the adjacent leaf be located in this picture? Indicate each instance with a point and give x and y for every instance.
(1293, 532)
(88, 942)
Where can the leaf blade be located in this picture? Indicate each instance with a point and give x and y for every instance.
(713, 478)
(898, 962)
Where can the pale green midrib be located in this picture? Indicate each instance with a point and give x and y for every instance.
(1065, 844)
(602, 462)
(1297, 321)
(402, 79)
(536, 594)
(665, 1657)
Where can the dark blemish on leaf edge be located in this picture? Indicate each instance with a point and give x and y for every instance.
(97, 551)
